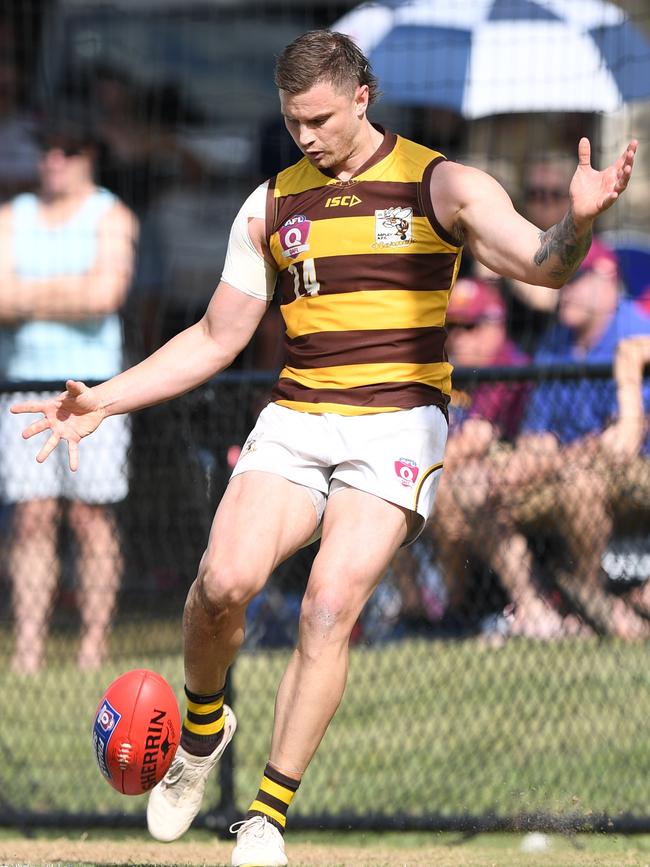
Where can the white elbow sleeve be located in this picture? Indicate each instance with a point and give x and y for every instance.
(245, 268)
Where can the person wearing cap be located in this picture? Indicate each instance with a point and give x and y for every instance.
(477, 337)
(559, 478)
(66, 258)
(483, 423)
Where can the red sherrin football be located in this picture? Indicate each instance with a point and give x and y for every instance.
(136, 731)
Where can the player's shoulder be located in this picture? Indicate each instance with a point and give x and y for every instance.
(415, 150)
(296, 178)
(459, 173)
(462, 183)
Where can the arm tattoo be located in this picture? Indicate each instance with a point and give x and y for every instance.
(560, 240)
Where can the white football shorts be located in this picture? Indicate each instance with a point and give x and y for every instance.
(102, 476)
(397, 456)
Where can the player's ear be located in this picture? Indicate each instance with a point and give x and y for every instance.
(361, 96)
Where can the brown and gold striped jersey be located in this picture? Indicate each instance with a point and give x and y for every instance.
(365, 271)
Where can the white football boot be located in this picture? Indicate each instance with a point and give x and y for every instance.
(259, 844)
(176, 799)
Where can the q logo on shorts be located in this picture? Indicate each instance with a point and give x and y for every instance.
(407, 471)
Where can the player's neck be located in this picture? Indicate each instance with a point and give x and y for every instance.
(365, 145)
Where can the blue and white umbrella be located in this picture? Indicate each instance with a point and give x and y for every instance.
(484, 57)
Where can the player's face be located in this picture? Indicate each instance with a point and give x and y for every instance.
(326, 123)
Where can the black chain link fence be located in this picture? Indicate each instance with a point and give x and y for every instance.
(459, 712)
(498, 675)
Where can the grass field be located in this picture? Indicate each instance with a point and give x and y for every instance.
(426, 727)
(334, 850)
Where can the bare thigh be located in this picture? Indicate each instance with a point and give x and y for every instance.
(261, 520)
(361, 533)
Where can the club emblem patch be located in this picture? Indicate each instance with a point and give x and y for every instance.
(407, 471)
(105, 722)
(294, 236)
(394, 227)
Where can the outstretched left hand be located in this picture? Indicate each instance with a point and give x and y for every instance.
(70, 416)
(593, 192)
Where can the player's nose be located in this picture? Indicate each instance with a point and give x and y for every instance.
(306, 137)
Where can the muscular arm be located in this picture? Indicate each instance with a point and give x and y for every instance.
(98, 292)
(479, 212)
(189, 358)
(482, 216)
(203, 349)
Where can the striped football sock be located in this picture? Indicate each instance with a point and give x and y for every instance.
(203, 724)
(273, 798)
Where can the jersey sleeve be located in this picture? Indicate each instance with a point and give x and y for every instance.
(244, 268)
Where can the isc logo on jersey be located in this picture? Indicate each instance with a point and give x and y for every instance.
(342, 201)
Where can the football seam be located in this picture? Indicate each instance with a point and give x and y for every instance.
(131, 716)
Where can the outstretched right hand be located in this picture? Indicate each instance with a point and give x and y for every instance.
(71, 415)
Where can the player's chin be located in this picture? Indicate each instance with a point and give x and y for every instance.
(322, 159)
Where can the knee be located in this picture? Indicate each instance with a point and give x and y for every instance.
(89, 521)
(327, 616)
(34, 520)
(224, 586)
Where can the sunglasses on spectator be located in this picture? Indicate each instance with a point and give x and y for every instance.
(545, 194)
(68, 150)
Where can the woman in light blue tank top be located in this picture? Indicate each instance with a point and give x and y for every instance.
(48, 349)
(65, 273)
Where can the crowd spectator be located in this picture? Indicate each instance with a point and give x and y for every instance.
(18, 153)
(141, 153)
(557, 480)
(66, 259)
(482, 419)
(626, 448)
(544, 200)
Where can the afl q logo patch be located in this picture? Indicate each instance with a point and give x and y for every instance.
(105, 722)
(407, 471)
(294, 235)
(106, 717)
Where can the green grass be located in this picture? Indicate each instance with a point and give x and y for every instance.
(333, 850)
(425, 727)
